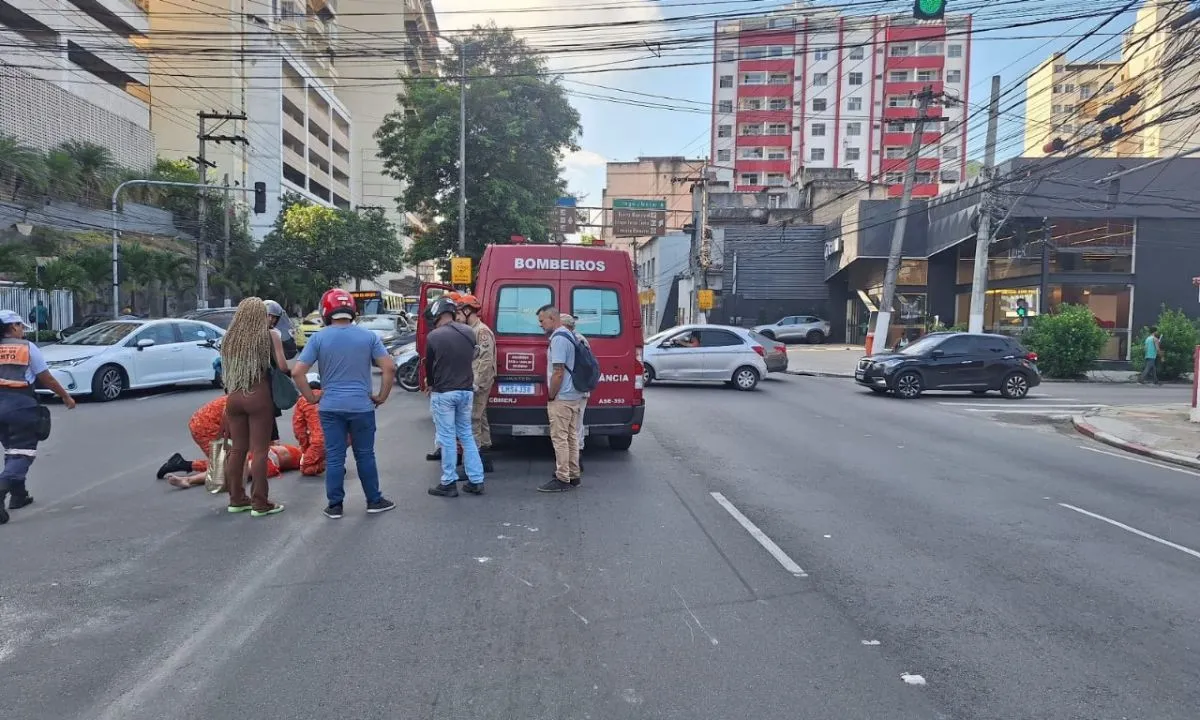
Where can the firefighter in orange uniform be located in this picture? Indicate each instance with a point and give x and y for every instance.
(306, 425)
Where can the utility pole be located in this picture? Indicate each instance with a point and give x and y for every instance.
(462, 149)
(983, 238)
(884, 319)
(225, 249)
(698, 254)
(202, 165)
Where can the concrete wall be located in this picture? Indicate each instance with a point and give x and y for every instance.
(779, 271)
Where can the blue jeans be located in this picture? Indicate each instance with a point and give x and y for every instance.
(361, 429)
(452, 418)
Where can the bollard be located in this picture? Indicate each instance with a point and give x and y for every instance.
(1194, 414)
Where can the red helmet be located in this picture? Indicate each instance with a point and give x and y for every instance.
(336, 303)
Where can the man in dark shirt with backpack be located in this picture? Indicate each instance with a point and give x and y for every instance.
(450, 383)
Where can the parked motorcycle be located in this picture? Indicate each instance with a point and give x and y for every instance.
(407, 363)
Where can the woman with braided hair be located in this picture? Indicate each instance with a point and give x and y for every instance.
(248, 352)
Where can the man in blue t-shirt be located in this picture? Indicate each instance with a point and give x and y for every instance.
(344, 353)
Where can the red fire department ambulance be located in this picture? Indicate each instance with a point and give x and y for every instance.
(594, 284)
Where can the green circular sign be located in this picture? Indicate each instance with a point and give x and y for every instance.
(931, 7)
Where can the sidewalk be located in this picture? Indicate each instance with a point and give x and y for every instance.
(840, 360)
(1162, 432)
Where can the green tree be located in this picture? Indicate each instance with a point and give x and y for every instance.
(94, 167)
(519, 123)
(374, 244)
(1067, 342)
(1179, 340)
(96, 265)
(21, 166)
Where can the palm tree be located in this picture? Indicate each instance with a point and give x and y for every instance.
(61, 180)
(137, 270)
(171, 273)
(96, 264)
(94, 165)
(20, 165)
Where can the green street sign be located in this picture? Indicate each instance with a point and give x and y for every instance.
(626, 204)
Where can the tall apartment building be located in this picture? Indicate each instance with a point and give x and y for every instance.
(650, 178)
(1062, 98)
(273, 63)
(73, 70)
(810, 88)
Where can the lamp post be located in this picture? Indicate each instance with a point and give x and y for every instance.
(461, 47)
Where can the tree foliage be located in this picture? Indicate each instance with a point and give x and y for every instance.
(1067, 342)
(313, 248)
(519, 124)
(1179, 340)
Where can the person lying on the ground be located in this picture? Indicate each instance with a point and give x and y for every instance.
(280, 459)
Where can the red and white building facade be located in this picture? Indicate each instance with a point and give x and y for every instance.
(816, 89)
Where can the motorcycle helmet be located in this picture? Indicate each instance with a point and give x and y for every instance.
(337, 305)
(441, 306)
(274, 309)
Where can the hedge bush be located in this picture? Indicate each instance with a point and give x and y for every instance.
(1179, 340)
(1067, 342)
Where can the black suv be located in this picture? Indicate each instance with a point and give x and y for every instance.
(953, 361)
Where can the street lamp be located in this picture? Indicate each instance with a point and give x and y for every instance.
(461, 47)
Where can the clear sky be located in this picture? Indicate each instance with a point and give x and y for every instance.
(644, 108)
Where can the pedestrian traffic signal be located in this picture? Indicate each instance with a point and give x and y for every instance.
(929, 9)
(1022, 308)
(260, 198)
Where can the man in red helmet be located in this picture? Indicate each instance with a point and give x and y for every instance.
(346, 406)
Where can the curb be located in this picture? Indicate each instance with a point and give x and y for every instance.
(814, 373)
(1085, 428)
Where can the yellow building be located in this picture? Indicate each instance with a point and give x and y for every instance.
(1062, 98)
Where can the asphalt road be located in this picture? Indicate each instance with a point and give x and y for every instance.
(911, 543)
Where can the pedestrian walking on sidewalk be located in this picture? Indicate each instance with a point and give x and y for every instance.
(344, 352)
(564, 403)
(249, 350)
(450, 382)
(1153, 352)
(23, 423)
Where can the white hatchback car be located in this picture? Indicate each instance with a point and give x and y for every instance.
(111, 357)
(705, 353)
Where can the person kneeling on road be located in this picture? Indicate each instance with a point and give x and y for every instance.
(23, 423)
(450, 381)
(206, 427)
(306, 425)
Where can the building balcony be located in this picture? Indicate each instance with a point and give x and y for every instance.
(923, 190)
(294, 128)
(901, 165)
(295, 159)
(750, 188)
(911, 88)
(909, 113)
(764, 116)
(915, 62)
(914, 33)
(762, 166)
(753, 38)
(766, 91)
(787, 65)
(784, 140)
(903, 139)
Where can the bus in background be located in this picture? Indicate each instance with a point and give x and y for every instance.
(594, 284)
(412, 305)
(378, 302)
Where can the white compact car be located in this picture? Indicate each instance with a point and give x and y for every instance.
(705, 353)
(111, 357)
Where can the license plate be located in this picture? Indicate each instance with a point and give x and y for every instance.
(860, 374)
(530, 430)
(517, 389)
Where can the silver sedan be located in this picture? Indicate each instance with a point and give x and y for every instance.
(706, 353)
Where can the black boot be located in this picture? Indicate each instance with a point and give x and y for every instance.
(434, 456)
(19, 497)
(3, 512)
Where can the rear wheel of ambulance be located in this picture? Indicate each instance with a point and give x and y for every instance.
(620, 442)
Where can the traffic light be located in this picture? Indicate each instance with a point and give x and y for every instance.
(260, 198)
(1022, 308)
(929, 9)
(1054, 146)
(1119, 108)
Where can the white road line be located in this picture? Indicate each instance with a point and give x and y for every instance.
(1133, 530)
(767, 543)
(1065, 412)
(1127, 456)
(1032, 406)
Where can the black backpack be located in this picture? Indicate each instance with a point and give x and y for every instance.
(586, 373)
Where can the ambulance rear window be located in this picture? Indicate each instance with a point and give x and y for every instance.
(597, 312)
(517, 306)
